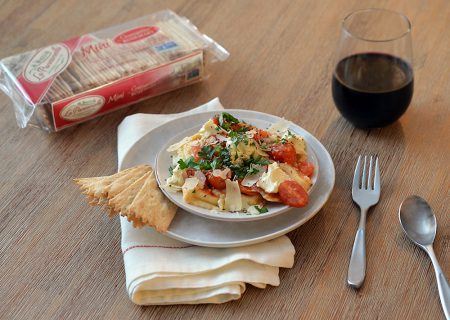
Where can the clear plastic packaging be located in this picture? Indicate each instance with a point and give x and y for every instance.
(79, 79)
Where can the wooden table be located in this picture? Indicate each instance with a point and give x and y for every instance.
(61, 259)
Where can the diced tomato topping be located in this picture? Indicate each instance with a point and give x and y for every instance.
(214, 181)
(306, 168)
(216, 121)
(293, 194)
(195, 150)
(190, 172)
(261, 134)
(284, 153)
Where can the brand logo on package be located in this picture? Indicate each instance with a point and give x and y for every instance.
(47, 63)
(135, 34)
(44, 66)
(82, 108)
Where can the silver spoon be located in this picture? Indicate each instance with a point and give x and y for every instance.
(419, 223)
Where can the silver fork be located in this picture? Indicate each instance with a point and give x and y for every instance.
(366, 193)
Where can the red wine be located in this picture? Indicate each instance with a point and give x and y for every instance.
(372, 90)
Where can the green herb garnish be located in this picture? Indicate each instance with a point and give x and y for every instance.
(262, 209)
(226, 117)
(207, 152)
(197, 165)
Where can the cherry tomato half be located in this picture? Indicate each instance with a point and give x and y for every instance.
(284, 153)
(215, 182)
(306, 168)
(293, 194)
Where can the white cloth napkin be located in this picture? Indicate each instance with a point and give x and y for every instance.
(160, 270)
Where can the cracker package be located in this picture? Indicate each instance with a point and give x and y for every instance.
(76, 80)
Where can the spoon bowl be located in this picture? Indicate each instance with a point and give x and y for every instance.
(419, 223)
(418, 220)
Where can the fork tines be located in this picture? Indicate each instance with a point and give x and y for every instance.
(366, 181)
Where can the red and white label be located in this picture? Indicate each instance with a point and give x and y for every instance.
(82, 108)
(129, 90)
(46, 63)
(135, 34)
(44, 67)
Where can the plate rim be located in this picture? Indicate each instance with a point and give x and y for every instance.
(268, 236)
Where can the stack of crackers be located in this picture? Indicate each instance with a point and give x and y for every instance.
(132, 193)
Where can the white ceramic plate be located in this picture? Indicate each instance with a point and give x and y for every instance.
(164, 161)
(207, 232)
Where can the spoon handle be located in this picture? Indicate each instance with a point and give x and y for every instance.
(443, 287)
(357, 266)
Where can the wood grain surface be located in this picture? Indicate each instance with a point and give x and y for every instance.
(61, 259)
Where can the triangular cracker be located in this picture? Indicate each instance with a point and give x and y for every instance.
(122, 201)
(152, 207)
(134, 194)
(122, 182)
(96, 188)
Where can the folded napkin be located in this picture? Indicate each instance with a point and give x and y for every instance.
(160, 270)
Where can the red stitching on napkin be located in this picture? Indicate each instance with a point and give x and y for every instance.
(149, 246)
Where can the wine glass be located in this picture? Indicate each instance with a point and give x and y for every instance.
(373, 81)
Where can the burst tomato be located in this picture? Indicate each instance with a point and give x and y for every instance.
(306, 168)
(215, 182)
(284, 153)
(292, 194)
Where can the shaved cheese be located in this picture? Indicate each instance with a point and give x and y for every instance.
(250, 180)
(224, 174)
(271, 180)
(279, 127)
(233, 201)
(201, 178)
(221, 138)
(190, 184)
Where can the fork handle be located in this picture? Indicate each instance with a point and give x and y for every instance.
(357, 266)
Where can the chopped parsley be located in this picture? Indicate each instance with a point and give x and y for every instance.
(191, 163)
(262, 209)
(237, 137)
(247, 166)
(216, 163)
(225, 119)
(207, 152)
(218, 156)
